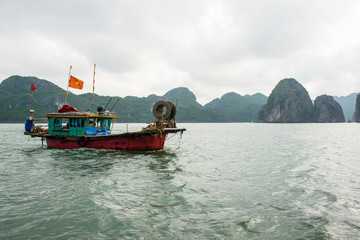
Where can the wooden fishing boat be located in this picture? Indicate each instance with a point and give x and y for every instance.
(69, 129)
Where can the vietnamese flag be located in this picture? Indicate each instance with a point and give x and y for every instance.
(33, 88)
(76, 83)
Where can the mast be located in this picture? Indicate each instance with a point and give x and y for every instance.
(31, 96)
(67, 90)
(92, 102)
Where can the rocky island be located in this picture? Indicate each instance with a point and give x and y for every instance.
(326, 109)
(289, 102)
(357, 109)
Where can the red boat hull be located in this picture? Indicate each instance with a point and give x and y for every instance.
(117, 142)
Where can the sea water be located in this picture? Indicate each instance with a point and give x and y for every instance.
(220, 181)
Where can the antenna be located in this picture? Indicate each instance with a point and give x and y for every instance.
(92, 102)
(108, 102)
(114, 104)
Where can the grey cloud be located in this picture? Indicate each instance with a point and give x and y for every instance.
(211, 47)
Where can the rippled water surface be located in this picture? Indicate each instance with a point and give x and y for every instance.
(226, 181)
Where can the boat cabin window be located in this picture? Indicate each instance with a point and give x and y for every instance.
(91, 122)
(81, 122)
(57, 123)
(98, 122)
(65, 123)
(106, 123)
(73, 122)
(76, 122)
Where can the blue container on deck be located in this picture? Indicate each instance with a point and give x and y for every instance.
(28, 125)
(92, 131)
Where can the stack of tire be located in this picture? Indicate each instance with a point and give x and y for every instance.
(163, 110)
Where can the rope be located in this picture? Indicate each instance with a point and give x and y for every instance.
(38, 129)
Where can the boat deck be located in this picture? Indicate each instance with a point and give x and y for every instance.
(129, 134)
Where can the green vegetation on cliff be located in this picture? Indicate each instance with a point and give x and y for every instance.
(357, 109)
(288, 102)
(326, 109)
(233, 107)
(15, 103)
(15, 97)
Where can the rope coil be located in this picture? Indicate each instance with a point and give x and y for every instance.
(163, 110)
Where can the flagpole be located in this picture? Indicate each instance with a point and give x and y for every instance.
(92, 102)
(31, 100)
(33, 88)
(67, 90)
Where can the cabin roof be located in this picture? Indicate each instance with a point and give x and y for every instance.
(80, 115)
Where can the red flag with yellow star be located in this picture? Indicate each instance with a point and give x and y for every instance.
(76, 83)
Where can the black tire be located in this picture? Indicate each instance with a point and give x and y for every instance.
(173, 111)
(82, 141)
(158, 110)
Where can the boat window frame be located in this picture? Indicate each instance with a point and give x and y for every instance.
(98, 122)
(91, 119)
(81, 122)
(65, 123)
(73, 123)
(57, 123)
(106, 123)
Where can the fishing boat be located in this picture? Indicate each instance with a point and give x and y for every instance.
(69, 128)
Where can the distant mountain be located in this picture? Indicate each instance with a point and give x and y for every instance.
(326, 109)
(233, 107)
(348, 105)
(15, 103)
(257, 98)
(15, 97)
(289, 102)
(188, 109)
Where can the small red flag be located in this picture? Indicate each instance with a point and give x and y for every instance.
(76, 83)
(33, 88)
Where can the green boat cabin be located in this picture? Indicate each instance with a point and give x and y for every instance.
(78, 124)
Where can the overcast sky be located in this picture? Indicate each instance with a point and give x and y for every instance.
(211, 47)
